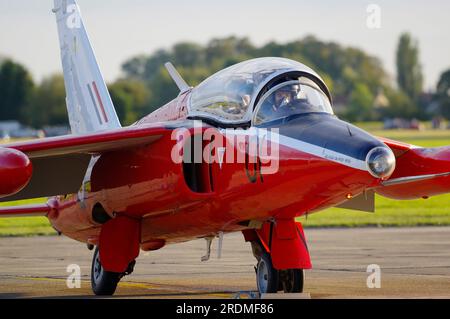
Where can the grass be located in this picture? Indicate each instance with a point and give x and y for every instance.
(431, 212)
(25, 226)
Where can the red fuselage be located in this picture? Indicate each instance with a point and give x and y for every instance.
(146, 184)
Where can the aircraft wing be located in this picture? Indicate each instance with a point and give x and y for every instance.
(420, 172)
(399, 148)
(25, 210)
(60, 163)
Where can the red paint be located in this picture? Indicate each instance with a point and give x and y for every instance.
(156, 207)
(15, 171)
(285, 241)
(147, 184)
(25, 210)
(102, 107)
(399, 148)
(96, 142)
(420, 161)
(288, 246)
(153, 245)
(119, 243)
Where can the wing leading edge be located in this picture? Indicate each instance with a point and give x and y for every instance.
(60, 164)
(420, 172)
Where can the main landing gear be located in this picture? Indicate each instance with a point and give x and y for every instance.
(104, 283)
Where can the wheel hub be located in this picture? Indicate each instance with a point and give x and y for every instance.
(263, 277)
(98, 269)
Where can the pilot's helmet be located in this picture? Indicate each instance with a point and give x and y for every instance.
(285, 95)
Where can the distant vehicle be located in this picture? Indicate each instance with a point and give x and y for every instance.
(399, 123)
(52, 131)
(6, 127)
(13, 129)
(27, 133)
(4, 135)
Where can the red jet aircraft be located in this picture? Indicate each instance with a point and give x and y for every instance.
(250, 149)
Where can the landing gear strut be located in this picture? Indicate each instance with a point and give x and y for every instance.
(104, 283)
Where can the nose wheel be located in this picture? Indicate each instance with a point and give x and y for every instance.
(270, 280)
(103, 283)
(266, 275)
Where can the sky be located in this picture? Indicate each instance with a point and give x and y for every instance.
(120, 29)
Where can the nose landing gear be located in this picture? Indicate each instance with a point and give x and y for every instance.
(104, 283)
(266, 275)
(280, 248)
(269, 280)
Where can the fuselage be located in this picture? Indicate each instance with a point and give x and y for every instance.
(321, 164)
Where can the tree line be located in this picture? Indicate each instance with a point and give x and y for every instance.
(362, 90)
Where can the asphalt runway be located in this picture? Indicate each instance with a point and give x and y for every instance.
(414, 263)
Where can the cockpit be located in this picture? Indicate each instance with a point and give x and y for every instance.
(258, 91)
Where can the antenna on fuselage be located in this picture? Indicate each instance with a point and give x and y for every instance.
(176, 77)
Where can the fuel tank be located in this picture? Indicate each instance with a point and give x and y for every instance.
(15, 171)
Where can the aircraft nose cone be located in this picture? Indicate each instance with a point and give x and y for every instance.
(381, 162)
(340, 142)
(15, 171)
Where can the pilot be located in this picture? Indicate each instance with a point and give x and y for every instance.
(284, 96)
(287, 100)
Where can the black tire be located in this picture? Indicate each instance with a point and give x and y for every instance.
(266, 275)
(291, 280)
(103, 283)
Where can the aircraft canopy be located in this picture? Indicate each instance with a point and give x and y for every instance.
(230, 96)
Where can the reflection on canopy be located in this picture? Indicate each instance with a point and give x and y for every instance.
(290, 98)
(228, 95)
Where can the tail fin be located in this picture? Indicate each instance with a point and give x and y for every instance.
(88, 101)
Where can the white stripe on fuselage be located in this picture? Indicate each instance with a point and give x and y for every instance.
(304, 147)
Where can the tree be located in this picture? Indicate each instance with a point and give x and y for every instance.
(188, 54)
(49, 103)
(342, 68)
(400, 105)
(361, 104)
(130, 98)
(16, 89)
(443, 94)
(409, 70)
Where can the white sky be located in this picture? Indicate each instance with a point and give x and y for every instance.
(120, 29)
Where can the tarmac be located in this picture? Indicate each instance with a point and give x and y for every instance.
(413, 263)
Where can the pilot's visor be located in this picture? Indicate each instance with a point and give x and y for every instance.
(298, 96)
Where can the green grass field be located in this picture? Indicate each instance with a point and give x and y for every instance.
(25, 226)
(434, 211)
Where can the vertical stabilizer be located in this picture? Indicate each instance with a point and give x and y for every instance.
(88, 101)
